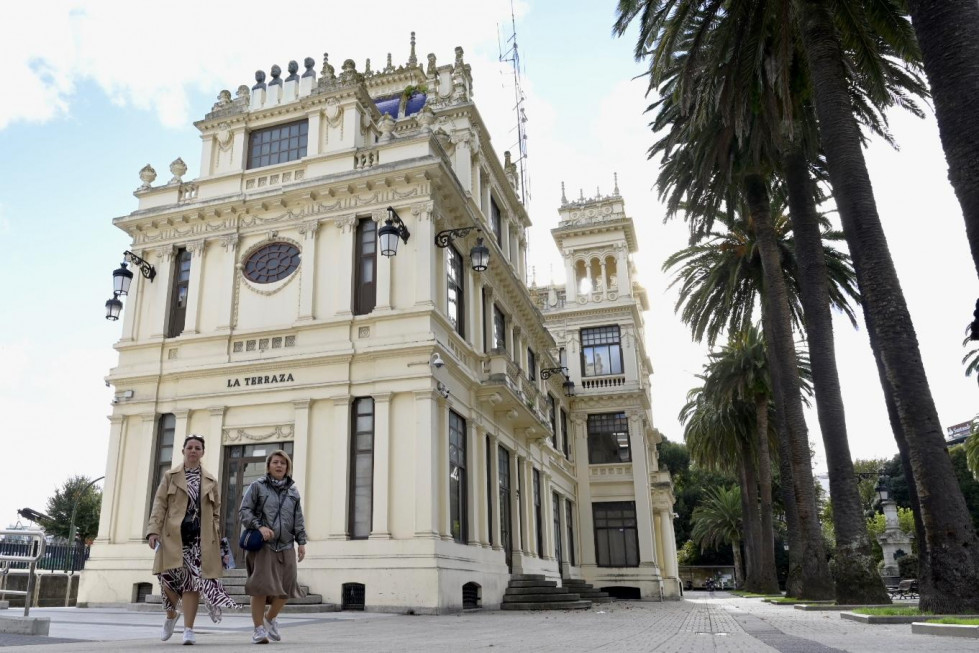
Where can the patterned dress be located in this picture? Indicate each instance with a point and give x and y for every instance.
(188, 577)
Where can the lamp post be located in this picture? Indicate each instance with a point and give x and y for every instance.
(568, 384)
(122, 278)
(71, 522)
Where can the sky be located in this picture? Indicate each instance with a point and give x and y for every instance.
(96, 90)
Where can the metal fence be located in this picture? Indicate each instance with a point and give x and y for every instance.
(54, 557)
(31, 551)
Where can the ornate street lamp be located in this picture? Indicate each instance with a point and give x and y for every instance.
(478, 255)
(122, 279)
(389, 234)
(568, 384)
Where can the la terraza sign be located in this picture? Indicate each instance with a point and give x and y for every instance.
(266, 379)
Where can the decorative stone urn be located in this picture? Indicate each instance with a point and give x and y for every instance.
(147, 175)
(178, 169)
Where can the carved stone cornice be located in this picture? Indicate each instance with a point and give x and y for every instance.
(278, 432)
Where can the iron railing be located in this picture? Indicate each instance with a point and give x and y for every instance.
(33, 545)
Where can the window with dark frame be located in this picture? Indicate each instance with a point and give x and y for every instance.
(531, 366)
(489, 489)
(601, 351)
(608, 439)
(166, 425)
(277, 144)
(499, 328)
(271, 262)
(365, 264)
(361, 468)
(458, 503)
(569, 508)
(496, 221)
(566, 438)
(455, 304)
(552, 414)
(482, 320)
(556, 510)
(616, 534)
(538, 517)
(177, 317)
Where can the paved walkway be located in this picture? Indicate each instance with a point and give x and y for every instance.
(722, 624)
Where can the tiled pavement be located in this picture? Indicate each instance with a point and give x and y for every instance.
(700, 624)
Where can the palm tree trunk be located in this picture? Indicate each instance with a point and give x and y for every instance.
(767, 576)
(816, 580)
(751, 520)
(951, 540)
(854, 569)
(793, 580)
(738, 564)
(947, 35)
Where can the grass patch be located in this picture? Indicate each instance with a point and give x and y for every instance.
(955, 621)
(891, 612)
(752, 595)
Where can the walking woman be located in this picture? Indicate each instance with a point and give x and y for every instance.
(183, 530)
(271, 506)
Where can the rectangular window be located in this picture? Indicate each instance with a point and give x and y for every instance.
(538, 518)
(531, 366)
(457, 478)
(456, 304)
(616, 535)
(165, 427)
(361, 468)
(178, 293)
(482, 321)
(499, 328)
(556, 510)
(365, 262)
(565, 435)
(569, 508)
(489, 489)
(608, 439)
(277, 144)
(496, 221)
(601, 351)
(552, 413)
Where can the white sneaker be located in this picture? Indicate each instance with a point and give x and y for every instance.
(260, 636)
(272, 628)
(189, 636)
(168, 625)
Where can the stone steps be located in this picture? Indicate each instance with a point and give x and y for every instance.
(586, 591)
(534, 592)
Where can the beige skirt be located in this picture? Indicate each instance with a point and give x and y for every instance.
(273, 574)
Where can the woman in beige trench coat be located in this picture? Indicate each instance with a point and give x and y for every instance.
(188, 569)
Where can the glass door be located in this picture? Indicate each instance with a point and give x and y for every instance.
(243, 464)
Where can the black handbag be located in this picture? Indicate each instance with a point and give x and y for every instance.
(190, 527)
(251, 539)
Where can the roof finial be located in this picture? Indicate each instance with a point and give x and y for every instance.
(533, 276)
(564, 198)
(581, 194)
(367, 67)
(390, 67)
(328, 71)
(412, 59)
(615, 191)
(598, 193)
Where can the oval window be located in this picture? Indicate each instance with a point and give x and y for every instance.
(271, 263)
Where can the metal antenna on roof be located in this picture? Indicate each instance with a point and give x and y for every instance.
(512, 55)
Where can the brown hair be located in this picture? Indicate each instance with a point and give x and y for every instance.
(199, 438)
(283, 454)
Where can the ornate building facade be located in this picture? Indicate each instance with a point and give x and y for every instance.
(429, 452)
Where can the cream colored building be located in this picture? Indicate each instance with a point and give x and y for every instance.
(273, 321)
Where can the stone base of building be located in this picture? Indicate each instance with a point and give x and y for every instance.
(644, 582)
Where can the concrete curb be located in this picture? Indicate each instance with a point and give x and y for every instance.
(898, 619)
(945, 630)
(25, 625)
(811, 607)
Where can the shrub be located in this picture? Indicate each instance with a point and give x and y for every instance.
(908, 566)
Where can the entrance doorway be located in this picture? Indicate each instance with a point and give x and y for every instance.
(243, 463)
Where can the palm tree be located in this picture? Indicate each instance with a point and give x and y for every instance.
(739, 373)
(950, 540)
(947, 34)
(847, 89)
(717, 522)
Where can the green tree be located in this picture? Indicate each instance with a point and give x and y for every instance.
(60, 504)
(717, 522)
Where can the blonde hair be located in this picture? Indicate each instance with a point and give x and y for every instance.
(283, 454)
